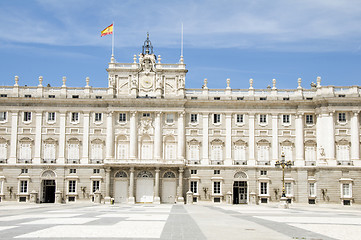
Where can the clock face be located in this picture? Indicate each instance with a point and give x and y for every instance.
(147, 82)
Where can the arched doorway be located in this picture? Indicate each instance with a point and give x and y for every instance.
(169, 187)
(240, 188)
(121, 187)
(48, 186)
(145, 187)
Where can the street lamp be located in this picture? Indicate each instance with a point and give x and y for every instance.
(283, 163)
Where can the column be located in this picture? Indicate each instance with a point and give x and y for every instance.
(205, 143)
(319, 132)
(157, 136)
(251, 161)
(61, 158)
(85, 158)
(180, 186)
(274, 138)
(133, 135)
(330, 136)
(325, 139)
(37, 150)
(156, 187)
(14, 137)
(228, 161)
(107, 185)
(109, 139)
(355, 137)
(131, 199)
(181, 136)
(299, 141)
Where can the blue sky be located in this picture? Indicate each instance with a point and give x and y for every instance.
(239, 39)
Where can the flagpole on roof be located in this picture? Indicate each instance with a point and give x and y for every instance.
(113, 41)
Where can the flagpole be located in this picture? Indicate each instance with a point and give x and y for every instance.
(113, 41)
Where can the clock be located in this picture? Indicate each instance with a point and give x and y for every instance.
(147, 82)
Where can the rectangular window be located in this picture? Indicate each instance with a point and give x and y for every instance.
(263, 188)
(193, 152)
(98, 97)
(72, 186)
(28, 96)
(240, 98)
(346, 190)
(98, 117)
(342, 117)
(194, 118)
(217, 187)
(24, 170)
(286, 118)
(122, 117)
(3, 116)
(51, 96)
(217, 152)
(193, 171)
(194, 187)
(217, 171)
(240, 152)
(23, 186)
(51, 116)
(239, 118)
(170, 118)
(263, 172)
(194, 98)
(75, 96)
(312, 189)
(263, 118)
(74, 117)
(3, 95)
(96, 185)
(146, 114)
(288, 188)
(217, 98)
(27, 116)
(309, 119)
(96, 170)
(263, 98)
(122, 151)
(216, 118)
(72, 170)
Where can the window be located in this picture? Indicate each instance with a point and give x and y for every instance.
(74, 117)
(51, 116)
(286, 99)
(286, 118)
(170, 118)
(3, 116)
(263, 153)
(23, 186)
(240, 152)
(217, 171)
(310, 153)
(72, 170)
(346, 190)
(287, 150)
(193, 171)
(312, 189)
(194, 187)
(96, 170)
(24, 170)
(193, 152)
(3, 152)
(170, 151)
(341, 95)
(49, 151)
(240, 98)
(28, 96)
(288, 188)
(263, 172)
(96, 151)
(98, 117)
(217, 98)
(194, 118)
(343, 152)
(72, 186)
(73, 151)
(194, 98)
(75, 96)
(27, 116)
(3, 95)
(263, 118)
(98, 97)
(239, 118)
(263, 98)
(342, 117)
(122, 150)
(51, 96)
(217, 153)
(216, 118)
(25, 151)
(146, 114)
(147, 150)
(309, 119)
(122, 117)
(216, 187)
(96, 185)
(263, 188)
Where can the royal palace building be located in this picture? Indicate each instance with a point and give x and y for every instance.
(145, 138)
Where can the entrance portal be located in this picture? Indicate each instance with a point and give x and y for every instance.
(239, 192)
(48, 191)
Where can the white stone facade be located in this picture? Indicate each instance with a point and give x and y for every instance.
(146, 138)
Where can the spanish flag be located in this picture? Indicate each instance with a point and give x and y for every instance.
(107, 30)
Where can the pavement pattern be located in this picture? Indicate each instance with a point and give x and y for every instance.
(201, 221)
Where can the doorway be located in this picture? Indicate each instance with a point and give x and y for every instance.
(240, 192)
(48, 191)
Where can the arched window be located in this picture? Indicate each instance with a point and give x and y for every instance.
(121, 174)
(145, 174)
(240, 175)
(169, 175)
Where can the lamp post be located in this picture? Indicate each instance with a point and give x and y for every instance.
(283, 163)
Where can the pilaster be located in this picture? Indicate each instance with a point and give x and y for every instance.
(109, 139)
(85, 158)
(61, 158)
(37, 152)
(107, 185)
(156, 187)
(251, 149)
(275, 143)
(133, 135)
(228, 161)
(14, 137)
(205, 139)
(355, 138)
(180, 198)
(158, 136)
(131, 199)
(181, 136)
(299, 141)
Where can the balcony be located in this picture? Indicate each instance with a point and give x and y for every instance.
(345, 163)
(194, 162)
(264, 163)
(49, 161)
(310, 163)
(3, 160)
(216, 162)
(25, 161)
(240, 162)
(96, 161)
(73, 161)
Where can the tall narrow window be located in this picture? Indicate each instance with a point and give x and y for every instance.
(73, 151)
(343, 152)
(122, 117)
(312, 189)
(96, 185)
(193, 152)
(216, 187)
(27, 116)
(263, 118)
(74, 117)
(25, 151)
(97, 150)
(288, 188)
(263, 153)
(286, 118)
(239, 118)
(170, 150)
(309, 119)
(23, 186)
(72, 186)
(346, 190)
(194, 187)
(239, 152)
(170, 118)
(49, 151)
(3, 151)
(98, 117)
(3, 116)
(216, 118)
(122, 150)
(194, 118)
(342, 117)
(217, 153)
(51, 116)
(146, 150)
(263, 188)
(287, 150)
(310, 153)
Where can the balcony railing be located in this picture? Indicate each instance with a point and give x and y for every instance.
(73, 161)
(96, 161)
(49, 161)
(310, 163)
(216, 162)
(345, 163)
(240, 162)
(194, 162)
(3, 160)
(25, 160)
(263, 163)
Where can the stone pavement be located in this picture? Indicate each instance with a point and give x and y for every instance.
(202, 221)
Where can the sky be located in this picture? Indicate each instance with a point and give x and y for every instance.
(236, 39)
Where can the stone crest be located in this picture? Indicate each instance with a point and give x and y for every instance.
(145, 126)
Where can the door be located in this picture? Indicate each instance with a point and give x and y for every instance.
(169, 190)
(48, 191)
(239, 192)
(145, 190)
(120, 191)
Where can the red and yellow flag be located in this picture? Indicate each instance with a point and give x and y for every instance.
(107, 30)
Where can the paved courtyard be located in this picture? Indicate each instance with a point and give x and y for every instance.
(74, 221)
